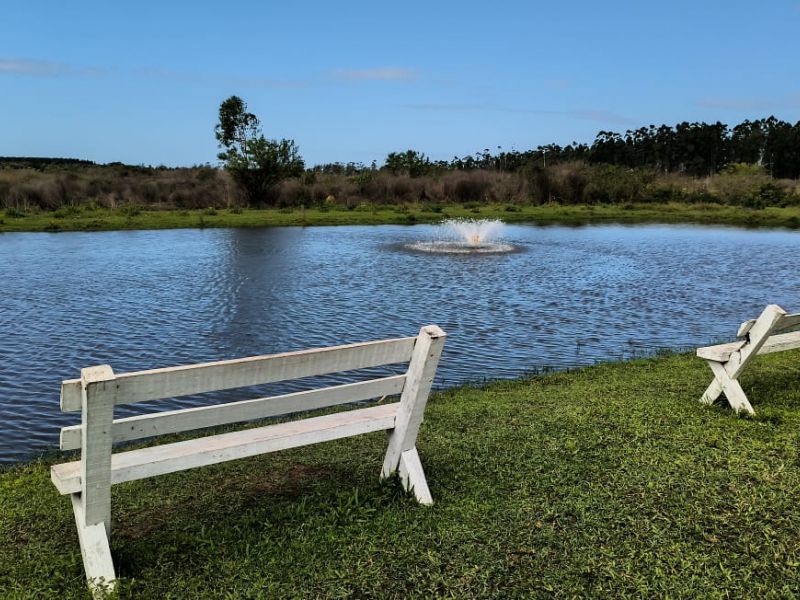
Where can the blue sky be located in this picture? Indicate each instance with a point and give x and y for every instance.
(141, 82)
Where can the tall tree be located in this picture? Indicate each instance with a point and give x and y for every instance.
(255, 162)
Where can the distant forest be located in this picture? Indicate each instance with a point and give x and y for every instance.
(753, 164)
(697, 149)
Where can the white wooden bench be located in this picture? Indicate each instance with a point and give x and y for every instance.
(772, 331)
(95, 394)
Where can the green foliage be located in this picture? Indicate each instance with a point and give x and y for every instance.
(614, 184)
(255, 163)
(131, 210)
(744, 169)
(410, 162)
(363, 179)
(67, 211)
(770, 194)
(14, 213)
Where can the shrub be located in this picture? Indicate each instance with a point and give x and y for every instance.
(467, 187)
(130, 210)
(613, 184)
(66, 211)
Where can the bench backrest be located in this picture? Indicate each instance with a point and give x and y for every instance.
(773, 331)
(785, 323)
(143, 386)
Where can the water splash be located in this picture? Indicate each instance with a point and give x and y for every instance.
(475, 232)
(466, 236)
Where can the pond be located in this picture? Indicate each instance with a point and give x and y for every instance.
(567, 297)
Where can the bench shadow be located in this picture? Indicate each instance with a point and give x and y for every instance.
(144, 537)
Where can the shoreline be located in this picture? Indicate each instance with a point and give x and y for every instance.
(125, 218)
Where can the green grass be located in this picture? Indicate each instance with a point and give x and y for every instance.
(610, 481)
(96, 219)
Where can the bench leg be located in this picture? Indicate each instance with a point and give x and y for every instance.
(413, 477)
(712, 392)
(402, 452)
(95, 552)
(730, 387)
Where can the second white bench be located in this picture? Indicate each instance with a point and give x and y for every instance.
(773, 331)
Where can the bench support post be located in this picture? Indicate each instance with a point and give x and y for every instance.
(92, 506)
(413, 477)
(730, 387)
(726, 373)
(95, 552)
(402, 453)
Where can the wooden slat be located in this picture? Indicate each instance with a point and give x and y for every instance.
(781, 342)
(720, 352)
(179, 456)
(775, 343)
(175, 421)
(757, 336)
(95, 552)
(788, 323)
(170, 382)
(98, 396)
(745, 327)
(421, 371)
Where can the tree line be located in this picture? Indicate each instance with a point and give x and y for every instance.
(695, 149)
(754, 164)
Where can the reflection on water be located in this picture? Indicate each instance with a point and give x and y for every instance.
(573, 296)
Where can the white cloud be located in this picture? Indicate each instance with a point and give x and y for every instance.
(46, 68)
(40, 68)
(379, 74)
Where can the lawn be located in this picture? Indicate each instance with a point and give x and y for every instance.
(609, 481)
(90, 218)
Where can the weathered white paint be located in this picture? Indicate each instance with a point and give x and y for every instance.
(97, 413)
(175, 421)
(421, 371)
(775, 343)
(89, 479)
(143, 386)
(95, 552)
(772, 331)
(209, 450)
(413, 477)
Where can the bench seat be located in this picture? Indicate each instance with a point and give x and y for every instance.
(776, 343)
(178, 456)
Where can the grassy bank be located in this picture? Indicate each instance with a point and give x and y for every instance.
(100, 219)
(610, 481)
